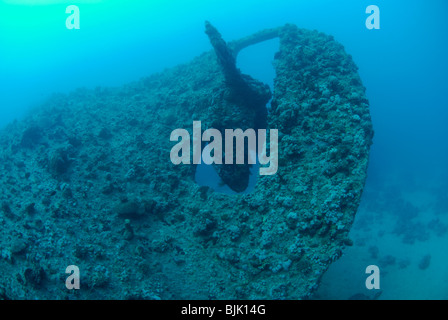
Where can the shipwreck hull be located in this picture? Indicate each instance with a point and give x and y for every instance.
(87, 180)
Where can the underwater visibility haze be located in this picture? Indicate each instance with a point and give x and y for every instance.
(86, 122)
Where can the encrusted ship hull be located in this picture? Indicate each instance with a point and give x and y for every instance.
(87, 180)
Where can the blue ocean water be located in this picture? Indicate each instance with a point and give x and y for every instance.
(403, 65)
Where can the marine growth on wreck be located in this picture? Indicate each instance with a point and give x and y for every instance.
(87, 180)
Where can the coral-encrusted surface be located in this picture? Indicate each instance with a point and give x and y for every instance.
(87, 180)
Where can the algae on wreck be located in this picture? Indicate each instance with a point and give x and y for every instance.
(94, 167)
